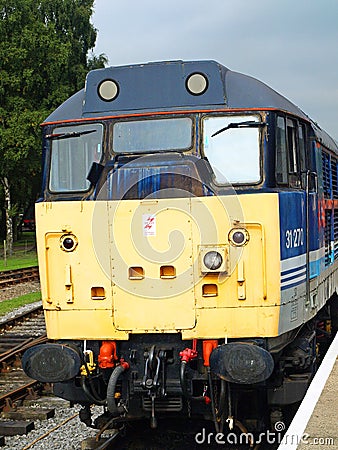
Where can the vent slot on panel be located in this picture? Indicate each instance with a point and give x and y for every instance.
(209, 290)
(136, 273)
(326, 175)
(327, 237)
(335, 232)
(167, 272)
(334, 168)
(98, 293)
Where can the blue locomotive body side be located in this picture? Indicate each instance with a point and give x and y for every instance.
(292, 213)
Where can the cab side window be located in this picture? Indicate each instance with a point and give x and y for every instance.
(302, 154)
(294, 172)
(302, 147)
(290, 139)
(281, 157)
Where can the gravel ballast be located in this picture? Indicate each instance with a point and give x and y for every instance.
(19, 289)
(68, 436)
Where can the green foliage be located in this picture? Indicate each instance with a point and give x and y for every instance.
(97, 62)
(43, 60)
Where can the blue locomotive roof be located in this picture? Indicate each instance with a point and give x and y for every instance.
(163, 86)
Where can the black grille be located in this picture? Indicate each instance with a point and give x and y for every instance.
(327, 236)
(335, 228)
(334, 178)
(326, 175)
(163, 404)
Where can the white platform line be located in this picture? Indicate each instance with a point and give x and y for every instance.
(298, 425)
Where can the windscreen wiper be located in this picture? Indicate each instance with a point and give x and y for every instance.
(68, 135)
(248, 124)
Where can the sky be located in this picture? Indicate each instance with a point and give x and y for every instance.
(291, 45)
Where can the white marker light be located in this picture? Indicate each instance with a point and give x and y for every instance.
(197, 84)
(108, 90)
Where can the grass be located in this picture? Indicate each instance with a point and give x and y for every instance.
(8, 305)
(24, 253)
(19, 262)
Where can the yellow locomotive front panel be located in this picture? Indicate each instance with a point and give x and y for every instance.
(138, 267)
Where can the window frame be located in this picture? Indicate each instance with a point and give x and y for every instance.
(280, 146)
(154, 117)
(294, 155)
(69, 127)
(260, 130)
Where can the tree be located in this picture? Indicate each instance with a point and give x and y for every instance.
(97, 62)
(43, 60)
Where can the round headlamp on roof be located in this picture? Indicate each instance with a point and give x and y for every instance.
(197, 83)
(108, 90)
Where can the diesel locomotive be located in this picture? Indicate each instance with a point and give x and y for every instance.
(187, 237)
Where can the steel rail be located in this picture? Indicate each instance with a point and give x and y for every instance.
(20, 318)
(30, 342)
(17, 276)
(18, 393)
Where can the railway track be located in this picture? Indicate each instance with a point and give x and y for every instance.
(17, 335)
(7, 326)
(17, 276)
